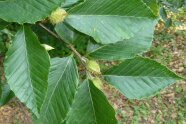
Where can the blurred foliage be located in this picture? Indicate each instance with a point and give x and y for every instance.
(173, 5)
(6, 94)
(168, 7)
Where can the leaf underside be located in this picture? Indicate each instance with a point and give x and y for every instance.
(69, 34)
(129, 48)
(140, 77)
(110, 21)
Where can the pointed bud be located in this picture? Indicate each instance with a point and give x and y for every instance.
(93, 66)
(97, 82)
(47, 47)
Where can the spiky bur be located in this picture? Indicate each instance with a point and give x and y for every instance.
(93, 66)
(58, 16)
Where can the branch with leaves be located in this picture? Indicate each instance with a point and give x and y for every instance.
(52, 88)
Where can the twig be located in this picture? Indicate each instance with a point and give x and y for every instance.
(82, 59)
(49, 31)
(70, 46)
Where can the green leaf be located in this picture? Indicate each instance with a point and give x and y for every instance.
(27, 11)
(129, 48)
(163, 14)
(6, 94)
(110, 21)
(63, 82)
(153, 6)
(69, 34)
(2, 47)
(90, 107)
(26, 69)
(140, 77)
(168, 23)
(3, 24)
(69, 3)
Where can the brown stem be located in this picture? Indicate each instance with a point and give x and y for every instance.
(70, 46)
(82, 59)
(49, 31)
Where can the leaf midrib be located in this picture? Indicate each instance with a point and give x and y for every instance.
(28, 65)
(71, 15)
(92, 102)
(140, 76)
(49, 101)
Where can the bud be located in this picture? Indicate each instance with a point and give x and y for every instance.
(97, 82)
(93, 66)
(58, 16)
(47, 47)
